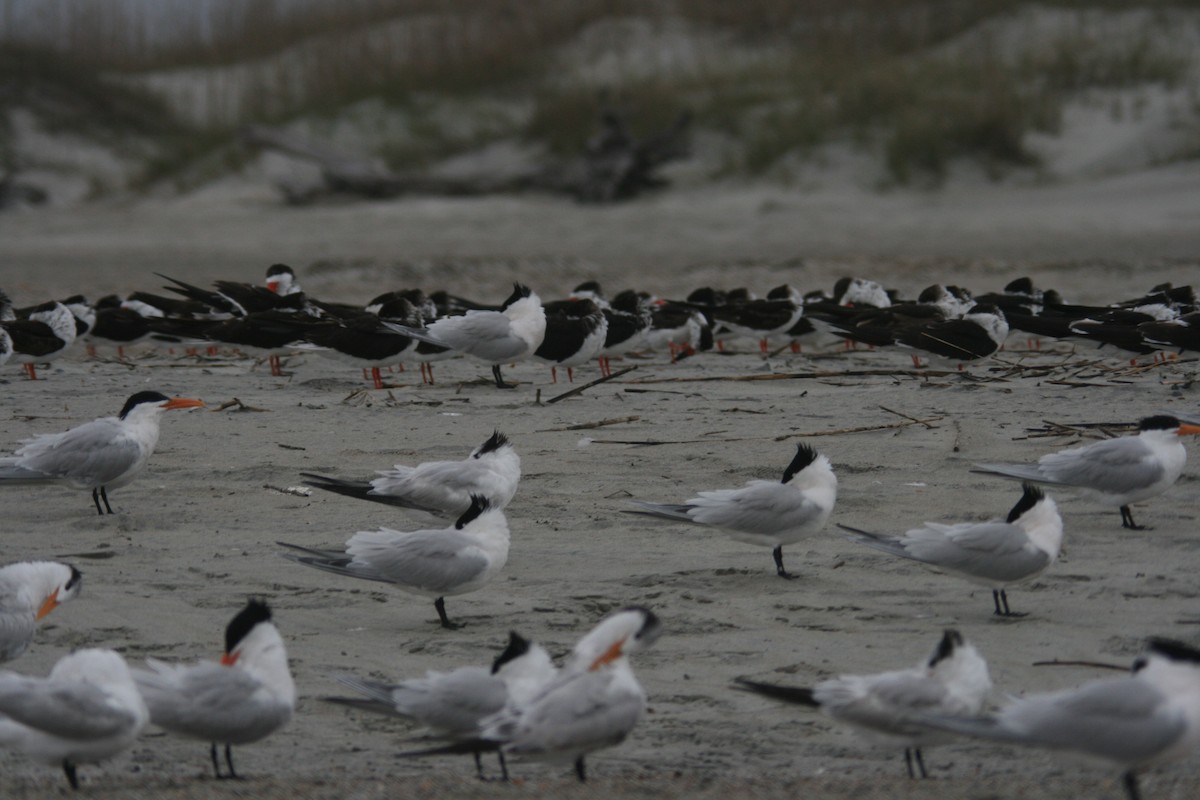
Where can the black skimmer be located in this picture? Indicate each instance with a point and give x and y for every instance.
(576, 331)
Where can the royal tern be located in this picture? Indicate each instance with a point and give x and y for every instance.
(29, 590)
(493, 337)
(953, 682)
(593, 702)
(492, 470)
(106, 453)
(1116, 472)
(764, 512)
(453, 704)
(997, 553)
(1142, 720)
(86, 710)
(243, 699)
(432, 563)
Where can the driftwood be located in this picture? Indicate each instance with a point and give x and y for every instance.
(614, 166)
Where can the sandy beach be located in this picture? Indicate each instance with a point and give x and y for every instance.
(195, 536)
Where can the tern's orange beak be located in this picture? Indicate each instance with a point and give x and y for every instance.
(48, 606)
(610, 655)
(183, 402)
(229, 660)
(1188, 430)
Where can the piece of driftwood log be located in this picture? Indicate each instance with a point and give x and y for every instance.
(615, 166)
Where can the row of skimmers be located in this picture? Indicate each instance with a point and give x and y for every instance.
(944, 323)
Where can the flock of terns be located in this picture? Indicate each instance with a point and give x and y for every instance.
(93, 705)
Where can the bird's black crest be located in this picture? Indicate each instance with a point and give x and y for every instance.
(517, 647)
(494, 443)
(1032, 496)
(1159, 422)
(142, 397)
(805, 455)
(75, 579)
(950, 640)
(75, 299)
(1173, 649)
(479, 504)
(256, 611)
(520, 290)
(279, 269)
(44, 307)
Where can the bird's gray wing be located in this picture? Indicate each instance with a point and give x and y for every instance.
(17, 627)
(69, 710)
(433, 561)
(96, 452)
(1126, 721)
(579, 714)
(758, 507)
(994, 550)
(483, 334)
(207, 699)
(1113, 465)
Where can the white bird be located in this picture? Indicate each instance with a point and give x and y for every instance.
(245, 698)
(997, 553)
(953, 682)
(103, 454)
(764, 512)
(29, 590)
(454, 703)
(594, 702)
(85, 711)
(493, 337)
(1116, 472)
(432, 563)
(1134, 722)
(492, 470)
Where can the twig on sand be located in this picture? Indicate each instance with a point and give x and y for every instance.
(906, 416)
(586, 386)
(238, 405)
(1054, 662)
(783, 438)
(815, 375)
(583, 426)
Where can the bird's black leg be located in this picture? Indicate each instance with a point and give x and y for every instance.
(920, 762)
(580, 772)
(440, 605)
(229, 761)
(500, 384)
(212, 751)
(96, 500)
(1131, 785)
(479, 766)
(779, 570)
(104, 497)
(1127, 520)
(996, 600)
(1007, 611)
(69, 770)
(908, 762)
(503, 766)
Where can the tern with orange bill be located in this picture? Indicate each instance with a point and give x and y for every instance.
(1116, 472)
(29, 590)
(103, 454)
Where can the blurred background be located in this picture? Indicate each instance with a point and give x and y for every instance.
(125, 95)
